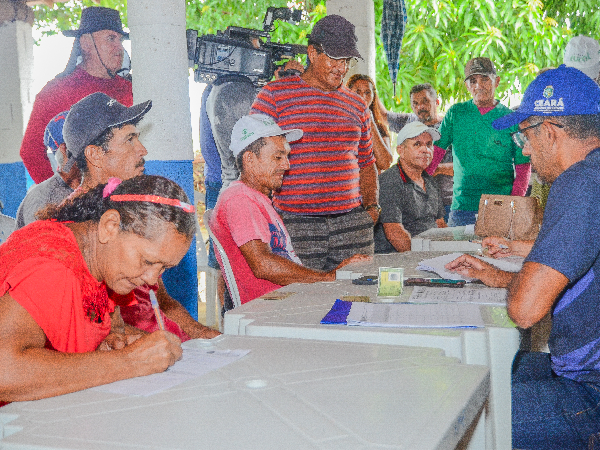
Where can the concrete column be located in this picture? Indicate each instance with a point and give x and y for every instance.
(16, 98)
(160, 73)
(362, 15)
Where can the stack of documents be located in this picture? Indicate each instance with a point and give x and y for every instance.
(424, 315)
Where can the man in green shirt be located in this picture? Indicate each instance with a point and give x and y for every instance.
(486, 161)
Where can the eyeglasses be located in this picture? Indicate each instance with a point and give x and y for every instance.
(519, 137)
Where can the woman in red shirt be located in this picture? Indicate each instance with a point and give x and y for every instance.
(54, 307)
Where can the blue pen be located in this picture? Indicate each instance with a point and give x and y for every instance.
(156, 308)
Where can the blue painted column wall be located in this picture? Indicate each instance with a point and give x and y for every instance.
(16, 64)
(160, 73)
(13, 186)
(181, 281)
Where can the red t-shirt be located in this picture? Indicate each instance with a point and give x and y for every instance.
(52, 296)
(57, 96)
(43, 270)
(136, 310)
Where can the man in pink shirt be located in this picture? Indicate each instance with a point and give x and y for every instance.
(244, 221)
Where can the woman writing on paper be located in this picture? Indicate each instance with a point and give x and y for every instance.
(54, 275)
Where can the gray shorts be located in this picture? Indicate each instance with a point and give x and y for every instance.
(323, 242)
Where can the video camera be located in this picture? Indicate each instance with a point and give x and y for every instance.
(242, 50)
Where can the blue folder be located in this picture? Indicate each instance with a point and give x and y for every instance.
(338, 313)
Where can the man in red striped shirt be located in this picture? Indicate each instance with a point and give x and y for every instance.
(329, 197)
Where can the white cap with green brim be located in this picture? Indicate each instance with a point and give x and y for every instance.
(255, 126)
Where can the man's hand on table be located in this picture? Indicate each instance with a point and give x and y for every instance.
(498, 247)
(203, 332)
(469, 266)
(354, 259)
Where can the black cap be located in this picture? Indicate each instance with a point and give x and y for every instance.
(336, 36)
(91, 116)
(97, 18)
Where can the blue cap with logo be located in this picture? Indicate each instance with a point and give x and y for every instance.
(564, 91)
(53, 136)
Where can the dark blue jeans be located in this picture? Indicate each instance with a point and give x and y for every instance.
(210, 199)
(550, 411)
(458, 218)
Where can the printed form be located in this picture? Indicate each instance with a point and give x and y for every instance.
(467, 294)
(193, 363)
(415, 315)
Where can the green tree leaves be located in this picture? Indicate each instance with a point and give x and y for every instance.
(520, 36)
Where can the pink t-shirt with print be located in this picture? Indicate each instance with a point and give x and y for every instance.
(241, 215)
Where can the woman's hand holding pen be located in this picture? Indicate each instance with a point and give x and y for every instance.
(154, 352)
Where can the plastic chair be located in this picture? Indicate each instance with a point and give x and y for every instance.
(226, 266)
(7, 226)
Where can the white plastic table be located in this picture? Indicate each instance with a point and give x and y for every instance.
(285, 394)
(298, 316)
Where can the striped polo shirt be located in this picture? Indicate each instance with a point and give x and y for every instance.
(324, 165)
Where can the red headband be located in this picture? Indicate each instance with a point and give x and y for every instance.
(114, 182)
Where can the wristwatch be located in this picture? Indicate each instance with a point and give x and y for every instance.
(373, 206)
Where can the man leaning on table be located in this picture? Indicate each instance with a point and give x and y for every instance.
(244, 221)
(410, 199)
(556, 396)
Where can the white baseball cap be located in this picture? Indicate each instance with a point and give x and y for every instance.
(583, 53)
(255, 126)
(414, 129)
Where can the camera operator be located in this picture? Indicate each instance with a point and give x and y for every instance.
(224, 102)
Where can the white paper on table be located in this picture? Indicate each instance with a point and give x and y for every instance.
(415, 315)
(481, 296)
(437, 265)
(193, 363)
